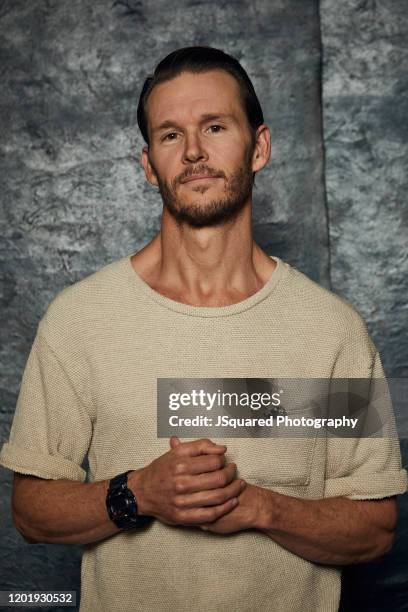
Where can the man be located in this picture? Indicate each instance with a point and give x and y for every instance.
(259, 524)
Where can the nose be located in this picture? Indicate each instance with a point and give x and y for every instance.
(194, 150)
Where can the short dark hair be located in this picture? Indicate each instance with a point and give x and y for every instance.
(200, 59)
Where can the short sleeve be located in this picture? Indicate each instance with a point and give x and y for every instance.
(51, 429)
(366, 467)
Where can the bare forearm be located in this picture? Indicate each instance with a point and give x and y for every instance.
(188, 485)
(335, 531)
(63, 512)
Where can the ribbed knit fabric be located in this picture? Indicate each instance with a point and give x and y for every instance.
(89, 387)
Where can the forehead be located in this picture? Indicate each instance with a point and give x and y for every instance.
(190, 95)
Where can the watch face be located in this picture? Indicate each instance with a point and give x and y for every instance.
(120, 505)
(122, 510)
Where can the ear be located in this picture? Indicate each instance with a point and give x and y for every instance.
(147, 166)
(262, 151)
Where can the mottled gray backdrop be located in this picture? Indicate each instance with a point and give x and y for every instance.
(332, 201)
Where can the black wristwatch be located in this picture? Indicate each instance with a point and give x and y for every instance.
(122, 506)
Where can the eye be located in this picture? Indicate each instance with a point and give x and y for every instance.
(215, 129)
(169, 136)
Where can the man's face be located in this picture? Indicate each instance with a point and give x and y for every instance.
(201, 147)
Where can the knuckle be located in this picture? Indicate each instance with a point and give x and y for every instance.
(212, 515)
(180, 467)
(218, 497)
(180, 486)
(224, 479)
(180, 515)
(179, 502)
(174, 516)
(218, 461)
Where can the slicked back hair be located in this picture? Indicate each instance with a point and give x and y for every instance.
(201, 59)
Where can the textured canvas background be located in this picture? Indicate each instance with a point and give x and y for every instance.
(332, 201)
(365, 105)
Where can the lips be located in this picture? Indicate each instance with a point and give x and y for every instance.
(197, 177)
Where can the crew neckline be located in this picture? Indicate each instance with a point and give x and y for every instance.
(205, 311)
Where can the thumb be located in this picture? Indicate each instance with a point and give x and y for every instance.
(174, 441)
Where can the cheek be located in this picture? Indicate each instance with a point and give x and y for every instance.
(228, 155)
(166, 167)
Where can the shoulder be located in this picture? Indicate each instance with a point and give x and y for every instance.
(76, 308)
(324, 310)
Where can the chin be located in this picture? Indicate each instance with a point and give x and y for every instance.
(201, 191)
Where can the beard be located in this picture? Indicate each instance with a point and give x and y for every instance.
(237, 190)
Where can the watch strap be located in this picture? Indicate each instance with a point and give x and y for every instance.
(122, 505)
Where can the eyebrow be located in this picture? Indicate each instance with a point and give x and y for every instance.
(204, 118)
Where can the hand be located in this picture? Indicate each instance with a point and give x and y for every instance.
(244, 516)
(188, 485)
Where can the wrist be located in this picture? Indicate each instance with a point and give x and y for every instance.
(136, 485)
(267, 514)
(122, 505)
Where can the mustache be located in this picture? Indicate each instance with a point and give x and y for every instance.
(200, 169)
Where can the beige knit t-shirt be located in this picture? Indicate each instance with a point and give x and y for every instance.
(90, 388)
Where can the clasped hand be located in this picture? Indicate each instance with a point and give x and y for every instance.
(192, 485)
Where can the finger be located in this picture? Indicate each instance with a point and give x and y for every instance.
(203, 463)
(213, 497)
(208, 515)
(210, 480)
(174, 442)
(202, 446)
